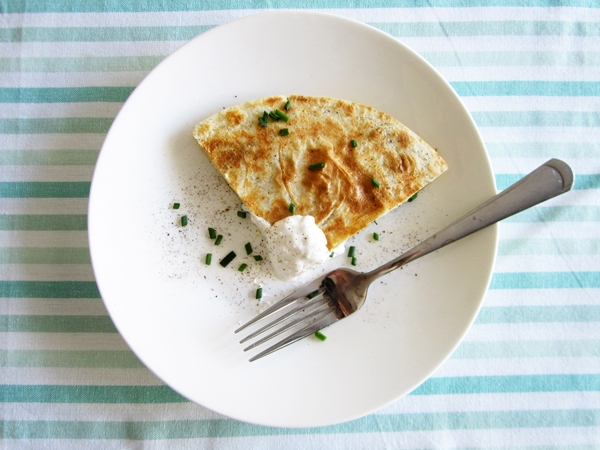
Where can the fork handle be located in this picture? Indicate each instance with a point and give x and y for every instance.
(547, 181)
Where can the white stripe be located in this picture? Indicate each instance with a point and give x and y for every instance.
(82, 49)
(547, 263)
(531, 103)
(62, 341)
(525, 165)
(52, 307)
(563, 230)
(191, 18)
(518, 366)
(43, 239)
(78, 376)
(46, 272)
(46, 173)
(532, 331)
(71, 79)
(53, 110)
(526, 73)
(541, 134)
(43, 206)
(73, 141)
(542, 297)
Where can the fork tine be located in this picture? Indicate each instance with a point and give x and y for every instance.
(319, 299)
(301, 334)
(293, 323)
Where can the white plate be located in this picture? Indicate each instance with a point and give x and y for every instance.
(178, 315)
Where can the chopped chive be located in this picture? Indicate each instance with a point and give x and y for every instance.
(265, 116)
(313, 294)
(273, 116)
(248, 248)
(317, 166)
(208, 259)
(212, 233)
(259, 293)
(219, 239)
(183, 221)
(375, 236)
(413, 197)
(292, 208)
(283, 116)
(288, 105)
(331, 255)
(284, 132)
(351, 251)
(176, 205)
(262, 122)
(258, 258)
(353, 261)
(353, 143)
(230, 257)
(320, 336)
(375, 183)
(241, 214)
(242, 267)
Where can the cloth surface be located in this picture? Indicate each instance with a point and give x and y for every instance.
(527, 374)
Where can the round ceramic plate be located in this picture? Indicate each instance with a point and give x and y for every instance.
(178, 314)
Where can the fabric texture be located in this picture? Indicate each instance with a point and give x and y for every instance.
(527, 374)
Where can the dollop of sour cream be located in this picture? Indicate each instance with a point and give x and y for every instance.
(295, 244)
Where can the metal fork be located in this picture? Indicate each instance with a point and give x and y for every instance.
(342, 292)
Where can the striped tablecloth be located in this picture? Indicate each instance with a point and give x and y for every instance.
(527, 374)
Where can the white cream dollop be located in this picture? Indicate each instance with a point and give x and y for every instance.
(295, 244)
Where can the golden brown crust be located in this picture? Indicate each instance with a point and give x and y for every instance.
(269, 171)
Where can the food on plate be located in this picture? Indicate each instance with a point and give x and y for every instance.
(342, 163)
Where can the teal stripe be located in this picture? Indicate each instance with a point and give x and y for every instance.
(121, 359)
(44, 255)
(48, 157)
(514, 58)
(504, 180)
(81, 64)
(536, 118)
(565, 150)
(557, 214)
(102, 34)
(88, 394)
(48, 289)
(43, 222)
(20, 6)
(489, 28)
(229, 428)
(528, 349)
(44, 189)
(527, 88)
(539, 314)
(64, 125)
(56, 324)
(545, 280)
(512, 247)
(116, 94)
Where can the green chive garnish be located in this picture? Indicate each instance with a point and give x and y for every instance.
(288, 105)
(375, 236)
(320, 336)
(313, 294)
(175, 205)
(208, 259)
(212, 233)
(413, 197)
(331, 255)
(353, 261)
(262, 121)
(248, 248)
(258, 258)
(183, 221)
(230, 257)
(284, 132)
(273, 116)
(219, 239)
(317, 166)
(292, 208)
(353, 143)
(242, 267)
(259, 293)
(241, 214)
(375, 182)
(351, 251)
(283, 116)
